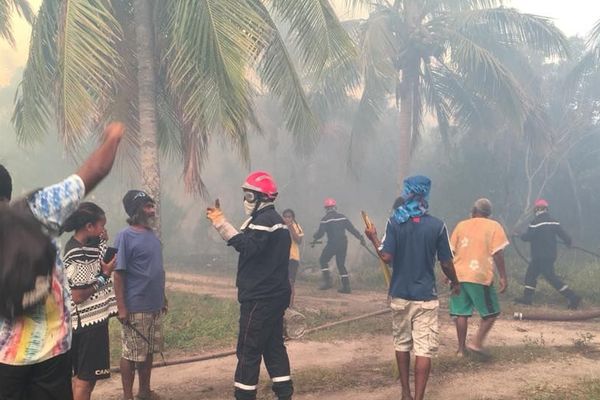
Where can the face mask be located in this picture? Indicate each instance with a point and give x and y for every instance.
(248, 207)
(94, 241)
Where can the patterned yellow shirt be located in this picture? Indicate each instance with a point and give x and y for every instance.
(474, 243)
(294, 248)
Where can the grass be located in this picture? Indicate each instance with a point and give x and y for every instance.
(380, 325)
(194, 324)
(584, 390)
(529, 352)
(363, 373)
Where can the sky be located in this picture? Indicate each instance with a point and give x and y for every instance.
(574, 17)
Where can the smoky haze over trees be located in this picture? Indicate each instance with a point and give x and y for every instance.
(503, 106)
(180, 74)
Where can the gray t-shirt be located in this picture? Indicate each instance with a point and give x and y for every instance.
(140, 256)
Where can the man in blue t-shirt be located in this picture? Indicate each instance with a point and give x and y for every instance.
(139, 288)
(412, 240)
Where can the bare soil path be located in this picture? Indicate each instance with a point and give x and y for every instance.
(212, 379)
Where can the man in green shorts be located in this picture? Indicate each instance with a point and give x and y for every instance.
(478, 245)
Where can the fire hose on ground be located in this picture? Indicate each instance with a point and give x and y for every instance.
(296, 322)
(301, 330)
(290, 317)
(556, 316)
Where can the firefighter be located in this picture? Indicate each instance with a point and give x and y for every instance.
(263, 286)
(541, 234)
(335, 225)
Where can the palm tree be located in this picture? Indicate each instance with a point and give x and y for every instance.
(178, 72)
(7, 9)
(445, 58)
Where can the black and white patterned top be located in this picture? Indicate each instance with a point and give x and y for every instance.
(82, 264)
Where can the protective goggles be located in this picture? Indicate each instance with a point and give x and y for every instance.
(250, 197)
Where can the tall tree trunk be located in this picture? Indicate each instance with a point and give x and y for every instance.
(146, 76)
(406, 90)
(405, 131)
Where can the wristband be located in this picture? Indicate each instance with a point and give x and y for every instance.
(101, 281)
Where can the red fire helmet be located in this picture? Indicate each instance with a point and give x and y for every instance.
(329, 202)
(261, 182)
(540, 203)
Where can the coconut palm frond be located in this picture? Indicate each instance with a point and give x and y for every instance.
(380, 78)
(358, 4)
(453, 101)
(279, 74)
(34, 100)
(315, 31)
(7, 9)
(593, 41)
(170, 131)
(89, 65)
(513, 28)
(208, 46)
(340, 74)
(489, 77)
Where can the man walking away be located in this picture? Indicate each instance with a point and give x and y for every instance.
(541, 234)
(478, 244)
(139, 288)
(335, 225)
(263, 287)
(35, 324)
(412, 240)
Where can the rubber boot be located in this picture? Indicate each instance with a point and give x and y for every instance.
(345, 285)
(574, 300)
(325, 280)
(527, 298)
(283, 390)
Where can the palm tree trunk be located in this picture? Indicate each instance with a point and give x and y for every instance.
(149, 159)
(405, 130)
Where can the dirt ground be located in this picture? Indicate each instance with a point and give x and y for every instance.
(212, 379)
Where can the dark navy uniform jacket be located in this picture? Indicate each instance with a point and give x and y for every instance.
(542, 233)
(264, 247)
(335, 226)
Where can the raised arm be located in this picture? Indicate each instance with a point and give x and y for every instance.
(100, 162)
(296, 232)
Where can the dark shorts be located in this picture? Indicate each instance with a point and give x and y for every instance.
(48, 380)
(90, 353)
(293, 270)
(474, 295)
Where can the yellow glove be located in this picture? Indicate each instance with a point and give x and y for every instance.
(219, 222)
(215, 215)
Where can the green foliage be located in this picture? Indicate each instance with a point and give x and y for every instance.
(446, 58)
(583, 340)
(194, 323)
(82, 71)
(7, 9)
(584, 390)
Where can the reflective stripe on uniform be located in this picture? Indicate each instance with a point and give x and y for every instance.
(282, 379)
(244, 387)
(267, 228)
(544, 223)
(333, 220)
